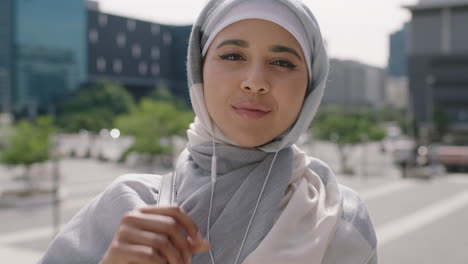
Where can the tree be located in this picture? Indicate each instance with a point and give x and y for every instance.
(346, 129)
(152, 124)
(94, 107)
(162, 93)
(397, 116)
(29, 144)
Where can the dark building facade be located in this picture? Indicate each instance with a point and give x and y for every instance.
(177, 74)
(137, 54)
(438, 61)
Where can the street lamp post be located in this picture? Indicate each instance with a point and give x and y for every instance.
(430, 81)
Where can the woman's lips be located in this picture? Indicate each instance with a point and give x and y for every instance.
(251, 110)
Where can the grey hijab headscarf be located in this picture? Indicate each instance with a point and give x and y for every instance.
(240, 172)
(212, 14)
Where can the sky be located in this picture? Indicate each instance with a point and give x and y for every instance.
(356, 30)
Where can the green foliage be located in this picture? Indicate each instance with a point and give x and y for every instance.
(390, 114)
(151, 123)
(30, 143)
(94, 107)
(113, 96)
(161, 93)
(398, 116)
(349, 127)
(93, 119)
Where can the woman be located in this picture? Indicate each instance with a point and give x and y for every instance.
(244, 192)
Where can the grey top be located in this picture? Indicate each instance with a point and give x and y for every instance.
(87, 236)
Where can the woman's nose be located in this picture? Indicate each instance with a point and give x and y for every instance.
(256, 81)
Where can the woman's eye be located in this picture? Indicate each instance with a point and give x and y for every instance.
(231, 56)
(284, 63)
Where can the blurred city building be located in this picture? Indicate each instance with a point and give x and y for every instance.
(397, 70)
(137, 54)
(438, 62)
(49, 48)
(354, 84)
(6, 44)
(43, 54)
(397, 92)
(397, 64)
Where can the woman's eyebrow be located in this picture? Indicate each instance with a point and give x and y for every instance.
(237, 42)
(280, 48)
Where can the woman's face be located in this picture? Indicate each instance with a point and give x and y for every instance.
(255, 80)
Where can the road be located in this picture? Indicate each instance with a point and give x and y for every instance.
(417, 220)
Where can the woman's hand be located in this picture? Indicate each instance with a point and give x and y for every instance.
(155, 235)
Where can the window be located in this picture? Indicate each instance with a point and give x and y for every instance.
(136, 50)
(155, 69)
(155, 29)
(121, 40)
(462, 115)
(117, 66)
(93, 36)
(143, 68)
(131, 25)
(155, 53)
(167, 38)
(102, 20)
(101, 64)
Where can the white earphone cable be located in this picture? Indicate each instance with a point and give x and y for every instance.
(213, 181)
(255, 209)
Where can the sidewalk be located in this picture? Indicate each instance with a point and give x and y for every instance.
(24, 240)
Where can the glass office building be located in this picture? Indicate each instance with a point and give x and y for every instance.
(48, 52)
(6, 34)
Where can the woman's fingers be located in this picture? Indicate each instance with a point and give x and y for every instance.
(156, 235)
(161, 243)
(198, 243)
(179, 215)
(198, 247)
(129, 253)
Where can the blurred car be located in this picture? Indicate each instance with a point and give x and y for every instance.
(454, 158)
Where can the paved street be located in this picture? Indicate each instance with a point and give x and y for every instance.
(417, 220)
